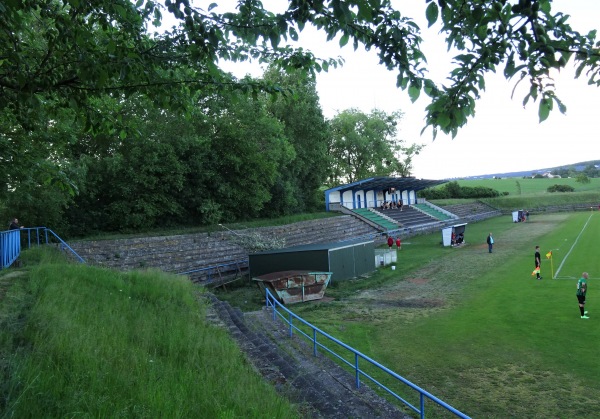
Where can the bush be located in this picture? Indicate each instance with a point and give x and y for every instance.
(453, 190)
(561, 188)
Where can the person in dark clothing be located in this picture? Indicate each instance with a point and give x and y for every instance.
(537, 262)
(490, 242)
(14, 224)
(390, 242)
(581, 292)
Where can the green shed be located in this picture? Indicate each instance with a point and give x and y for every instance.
(348, 259)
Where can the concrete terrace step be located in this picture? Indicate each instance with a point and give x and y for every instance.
(184, 253)
(469, 209)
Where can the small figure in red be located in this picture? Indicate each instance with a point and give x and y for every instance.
(390, 241)
(398, 243)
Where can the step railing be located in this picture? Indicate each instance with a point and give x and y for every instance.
(11, 243)
(278, 310)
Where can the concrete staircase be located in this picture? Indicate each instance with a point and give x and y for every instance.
(408, 216)
(386, 223)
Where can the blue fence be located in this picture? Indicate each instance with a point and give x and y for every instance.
(12, 241)
(360, 360)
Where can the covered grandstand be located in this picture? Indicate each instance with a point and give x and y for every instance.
(373, 192)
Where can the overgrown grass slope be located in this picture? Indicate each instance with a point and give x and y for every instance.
(82, 341)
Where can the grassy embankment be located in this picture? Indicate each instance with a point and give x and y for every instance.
(78, 341)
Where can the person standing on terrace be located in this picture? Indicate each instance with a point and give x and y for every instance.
(14, 224)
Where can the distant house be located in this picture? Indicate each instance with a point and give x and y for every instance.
(546, 175)
(551, 176)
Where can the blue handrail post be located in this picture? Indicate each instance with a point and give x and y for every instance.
(357, 372)
(422, 406)
(270, 303)
(291, 327)
(314, 341)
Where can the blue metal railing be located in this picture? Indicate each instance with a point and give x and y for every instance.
(274, 305)
(10, 243)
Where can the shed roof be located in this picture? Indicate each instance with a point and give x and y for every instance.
(316, 246)
(382, 183)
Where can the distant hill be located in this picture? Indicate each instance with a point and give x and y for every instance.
(577, 166)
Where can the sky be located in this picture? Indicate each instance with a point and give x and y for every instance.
(502, 137)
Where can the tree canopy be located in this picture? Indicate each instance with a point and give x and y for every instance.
(98, 105)
(65, 51)
(364, 145)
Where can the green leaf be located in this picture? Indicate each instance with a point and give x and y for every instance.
(561, 106)
(533, 91)
(274, 38)
(429, 88)
(544, 109)
(580, 68)
(544, 5)
(443, 120)
(414, 92)
(110, 48)
(344, 40)
(365, 11)
(432, 12)
(481, 31)
(509, 70)
(121, 11)
(465, 58)
(481, 82)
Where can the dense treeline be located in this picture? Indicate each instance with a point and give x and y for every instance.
(590, 170)
(232, 157)
(452, 190)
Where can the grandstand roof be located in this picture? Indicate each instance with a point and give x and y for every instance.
(382, 183)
